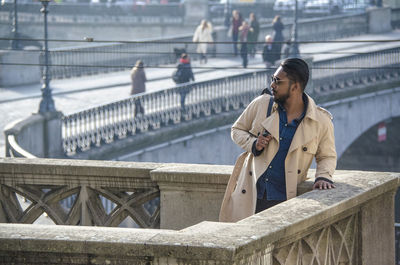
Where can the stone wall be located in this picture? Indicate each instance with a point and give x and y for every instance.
(13, 73)
(352, 224)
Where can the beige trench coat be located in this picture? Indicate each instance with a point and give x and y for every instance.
(313, 138)
(202, 35)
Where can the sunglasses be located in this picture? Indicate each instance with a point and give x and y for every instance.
(276, 80)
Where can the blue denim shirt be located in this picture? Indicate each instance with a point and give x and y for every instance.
(272, 181)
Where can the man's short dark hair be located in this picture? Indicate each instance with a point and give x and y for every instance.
(296, 70)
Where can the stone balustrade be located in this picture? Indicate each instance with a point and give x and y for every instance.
(351, 224)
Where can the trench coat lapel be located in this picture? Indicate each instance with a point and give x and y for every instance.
(271, 124)
(304, 134)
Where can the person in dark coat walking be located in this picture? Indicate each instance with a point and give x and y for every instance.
(252, 37)
(244, 31)
(269, 52)
(278, 38)
(138, 78)
(183, 74)
(184, 71)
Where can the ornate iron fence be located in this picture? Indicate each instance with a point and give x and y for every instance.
(107, 123)
(104, 124)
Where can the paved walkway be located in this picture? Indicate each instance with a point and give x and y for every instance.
(72, 95)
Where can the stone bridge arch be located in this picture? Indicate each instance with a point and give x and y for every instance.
(354, 116)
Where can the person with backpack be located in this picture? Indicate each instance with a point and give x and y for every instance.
(281, 136)
(183, 73)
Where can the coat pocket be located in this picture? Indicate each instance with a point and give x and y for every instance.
(308, 152)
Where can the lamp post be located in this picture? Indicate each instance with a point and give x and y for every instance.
(15, 42)
(227, 13)
(47, 102)
(294, 49)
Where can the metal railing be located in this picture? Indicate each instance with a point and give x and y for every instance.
(100, 58)
(97, 58)
(104, 124)
(85, 12)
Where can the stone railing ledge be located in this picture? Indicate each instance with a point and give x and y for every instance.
(56, 171)
(187, 175)
(364, 198)
(76, 167)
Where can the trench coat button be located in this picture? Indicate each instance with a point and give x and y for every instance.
(250, 173)
(270, 166)
(304, 149)
(298, 171)
(243, 191)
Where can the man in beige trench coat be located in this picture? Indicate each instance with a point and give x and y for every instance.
(279, 148)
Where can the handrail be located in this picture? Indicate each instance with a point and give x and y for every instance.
(104, 58)
(14, 150)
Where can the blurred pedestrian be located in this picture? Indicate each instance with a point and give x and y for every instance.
(203, 34)
(269, 52)
(183, 72)
(236, 23)
(244, 31)
(138, 78)
(252, 37)
(285, 52)
(277, 37)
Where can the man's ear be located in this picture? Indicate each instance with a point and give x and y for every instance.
(295, 86)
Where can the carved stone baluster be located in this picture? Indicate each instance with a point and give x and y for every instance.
(83, 202)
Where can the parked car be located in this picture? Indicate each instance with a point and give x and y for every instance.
(323, 7)
(286, 6)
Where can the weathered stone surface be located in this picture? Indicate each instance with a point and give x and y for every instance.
(299, 229)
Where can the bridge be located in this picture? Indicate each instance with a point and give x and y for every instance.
(92, 132)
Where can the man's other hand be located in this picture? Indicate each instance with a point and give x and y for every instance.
(323, 185)
(262, 142)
